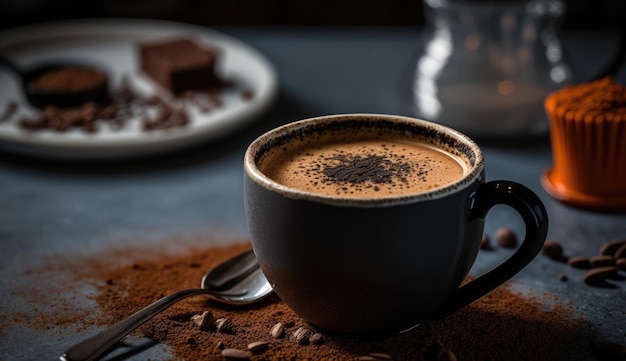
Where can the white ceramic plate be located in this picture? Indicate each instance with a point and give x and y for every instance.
(113, 43)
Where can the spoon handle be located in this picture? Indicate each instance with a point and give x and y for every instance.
(9, 64)
(91, 348)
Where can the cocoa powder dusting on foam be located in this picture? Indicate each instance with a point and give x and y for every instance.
(364, 168)
(505, 324)
(377, 169)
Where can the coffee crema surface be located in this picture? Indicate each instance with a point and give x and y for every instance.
(363, 167)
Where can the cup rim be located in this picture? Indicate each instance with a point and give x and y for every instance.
(475, 171)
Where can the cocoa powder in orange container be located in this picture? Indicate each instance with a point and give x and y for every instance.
(588, 134)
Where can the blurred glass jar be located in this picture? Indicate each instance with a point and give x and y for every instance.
(487, 66)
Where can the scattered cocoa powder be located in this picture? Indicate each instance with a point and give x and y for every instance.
(124, 106)
(506, 322)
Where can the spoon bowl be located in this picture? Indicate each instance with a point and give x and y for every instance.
(249, 290)
(40, 96)
(237, 281)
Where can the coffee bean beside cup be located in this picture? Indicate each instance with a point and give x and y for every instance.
(366, 224)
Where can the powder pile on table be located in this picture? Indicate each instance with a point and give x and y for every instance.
(505, 324)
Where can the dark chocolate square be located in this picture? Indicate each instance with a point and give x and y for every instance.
(179, 65)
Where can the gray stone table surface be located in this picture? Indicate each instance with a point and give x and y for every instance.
(50, 208)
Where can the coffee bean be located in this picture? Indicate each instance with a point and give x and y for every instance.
(301, 335)
(621, 252)
(258, 346)
(563, 277)
(224, 325)
(203, 321)
(278, 330)
(620, 263)
(505, 237)
(599, 275)
(609, 248)
(602, 261)
(552, 249)
(316, 338)
(579, 262)
(235, 354)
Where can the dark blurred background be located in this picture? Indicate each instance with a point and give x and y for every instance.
(581, 14)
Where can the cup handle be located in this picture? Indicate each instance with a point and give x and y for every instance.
(535, 217)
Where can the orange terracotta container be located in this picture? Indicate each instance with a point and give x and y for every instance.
(588, 146)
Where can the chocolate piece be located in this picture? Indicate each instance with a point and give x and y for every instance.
(179, 65)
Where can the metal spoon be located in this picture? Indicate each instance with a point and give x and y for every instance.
(238, 281)
(41, 97)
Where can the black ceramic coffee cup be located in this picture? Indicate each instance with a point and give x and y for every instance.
(375, 266)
